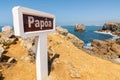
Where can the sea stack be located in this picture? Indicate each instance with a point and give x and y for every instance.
(79, 28)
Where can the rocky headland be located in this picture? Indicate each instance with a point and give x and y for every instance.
(79, 28)
(113, 27)
(66, 60)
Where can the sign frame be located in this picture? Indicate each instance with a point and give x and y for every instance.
(18, 21)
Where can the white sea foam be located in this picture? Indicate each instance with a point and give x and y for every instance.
(88, 45)
(109, 33)
(105, 32)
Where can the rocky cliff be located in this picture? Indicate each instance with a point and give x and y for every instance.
(76, 41)
(113, 27)
(79, 28)
(107, 48)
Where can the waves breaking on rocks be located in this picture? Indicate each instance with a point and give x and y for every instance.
(88, 45)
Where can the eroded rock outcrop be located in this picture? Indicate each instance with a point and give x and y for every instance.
(7, 38)
(7, 31)
(76, 41)
(79, 28)
(113, 27)
(62, 31)
(107, 48)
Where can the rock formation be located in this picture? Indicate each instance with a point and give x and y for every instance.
(76, 41)
(108, 48)
(113, 27)
(6, 39)
(7, 31)
(62, 31)
(79, 28)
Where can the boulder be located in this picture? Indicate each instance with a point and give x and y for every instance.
(79, 28)
(61, 30)
(76, 41)
(7, 32)
(7, 36)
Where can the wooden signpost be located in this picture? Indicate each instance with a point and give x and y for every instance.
(27, 23)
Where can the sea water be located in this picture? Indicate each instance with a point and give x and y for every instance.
(90, 34)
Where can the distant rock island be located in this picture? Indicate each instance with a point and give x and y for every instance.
(79, 28)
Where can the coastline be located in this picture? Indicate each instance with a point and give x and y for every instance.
(88, 45)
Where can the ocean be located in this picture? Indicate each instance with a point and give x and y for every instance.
(90, 34)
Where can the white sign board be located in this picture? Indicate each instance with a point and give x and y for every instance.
(27, 23)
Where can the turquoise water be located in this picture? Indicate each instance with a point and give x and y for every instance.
(89, 34)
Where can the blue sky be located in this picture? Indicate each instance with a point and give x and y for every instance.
(67, 12)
